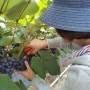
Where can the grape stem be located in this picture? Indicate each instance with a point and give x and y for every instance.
(2, 6)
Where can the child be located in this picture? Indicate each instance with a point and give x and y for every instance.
(71, 18)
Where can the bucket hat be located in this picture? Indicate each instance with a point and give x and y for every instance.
(72, 15)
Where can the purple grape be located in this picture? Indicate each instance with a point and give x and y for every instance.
(3, 64)
(7, 70)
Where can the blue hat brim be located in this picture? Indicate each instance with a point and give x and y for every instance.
(66, 18)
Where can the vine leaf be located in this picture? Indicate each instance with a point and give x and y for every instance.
(21, 85)
(14, 12)
(7, 40)
(38, 67)
(46, 63)
(6, 83)
(31, 9)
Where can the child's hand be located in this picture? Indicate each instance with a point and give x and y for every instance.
(35, 45)
(28, 73)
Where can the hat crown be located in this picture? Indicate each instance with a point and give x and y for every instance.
(73, 3)
(71, 0)
(70, 15)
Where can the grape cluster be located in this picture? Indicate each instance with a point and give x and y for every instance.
(7, 65)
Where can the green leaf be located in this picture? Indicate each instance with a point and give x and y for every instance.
(14, 12)
(42, 5)
(50, 62)
(1, 42)
(38, 22)
(34, 30)
(7, 40)
(21, 85)
(6, 83)
(7, 32)
(38, 67)
(8, 4)
(45, 63)
(23, 34)
(44, 1)
(18, 38)
(62, 53)
(31, 9)
(15, 51)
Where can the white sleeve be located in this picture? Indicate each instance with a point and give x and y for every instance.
(58, 43)
(40, 84)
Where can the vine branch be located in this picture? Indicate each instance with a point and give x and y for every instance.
(6, 6)
(13, 37)
(2, 6)
(22, 11)
(24, 41)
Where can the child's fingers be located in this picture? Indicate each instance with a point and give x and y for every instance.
(27, 65)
